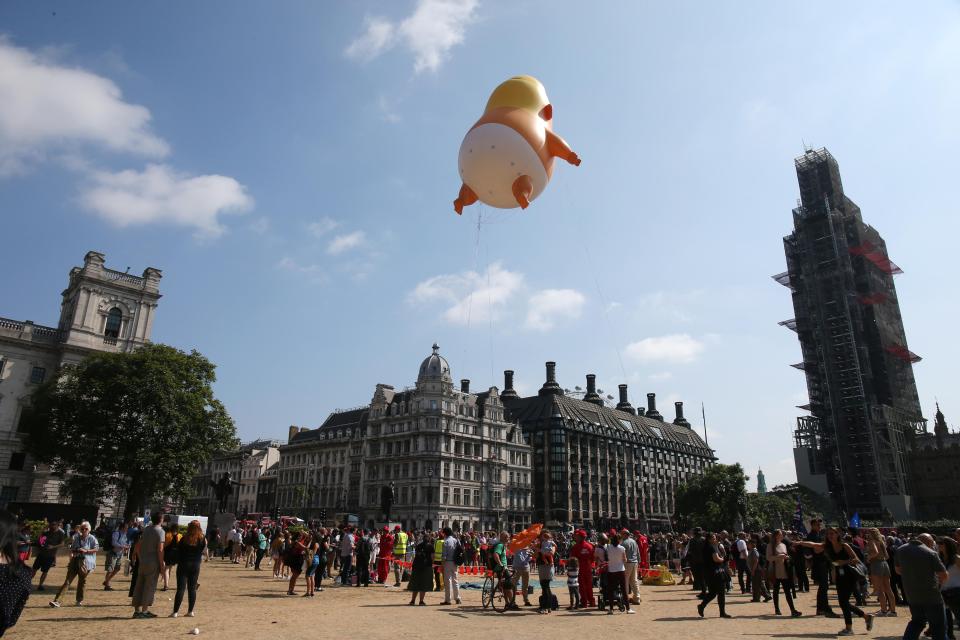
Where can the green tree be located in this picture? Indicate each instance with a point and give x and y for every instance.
(714, 500)
(136, 424)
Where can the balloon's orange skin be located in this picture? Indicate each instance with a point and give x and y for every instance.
(536, 129)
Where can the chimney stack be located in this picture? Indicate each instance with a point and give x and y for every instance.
(624, 404)
(680, 420)
(591, 395)
(294, 430)
(465, 386)
(550, 387)
(508, 390)
(652, 407)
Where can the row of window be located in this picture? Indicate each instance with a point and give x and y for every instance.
(37, 374)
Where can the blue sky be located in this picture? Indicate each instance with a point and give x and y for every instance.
(290, 167)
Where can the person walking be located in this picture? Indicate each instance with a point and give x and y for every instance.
(740, 557)
(114, 560)
(950, 588)
(777, 563)
(293, 558)
(15, 577)
(170, 551)
(758, 581)
(452, 553)
(83, 560)
(715, 576)
(877, 560)
(47, 545)
(150, 565)
(820, 568)
(190, 552)
(844, 560)
(631, 565)
(700, 563)
(261, 548)
(421, 576)
(923, 573)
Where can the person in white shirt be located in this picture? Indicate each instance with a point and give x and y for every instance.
(741, 560)
(616, 573)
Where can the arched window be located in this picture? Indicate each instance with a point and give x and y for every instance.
(114, 319)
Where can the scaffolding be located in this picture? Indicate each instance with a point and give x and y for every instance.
(851, 337)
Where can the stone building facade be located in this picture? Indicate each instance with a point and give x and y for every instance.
(603, 466)
(245, 465)
(101, 310)
(935, 467)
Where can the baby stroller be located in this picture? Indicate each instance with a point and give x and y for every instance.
(600, 582)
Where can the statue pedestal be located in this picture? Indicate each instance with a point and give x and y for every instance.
(223, 521)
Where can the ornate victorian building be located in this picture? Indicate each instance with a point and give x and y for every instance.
(935, 466)
(101, 310)
(602, 466)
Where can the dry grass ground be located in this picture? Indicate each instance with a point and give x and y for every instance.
(235, 603)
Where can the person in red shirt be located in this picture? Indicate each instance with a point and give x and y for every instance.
(384, 556)
(644, 546)
(583, 552)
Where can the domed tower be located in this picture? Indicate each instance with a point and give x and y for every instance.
(435, 373)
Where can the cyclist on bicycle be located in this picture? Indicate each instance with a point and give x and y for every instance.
(498, 564)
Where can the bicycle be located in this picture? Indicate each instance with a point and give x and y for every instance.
(493, 595)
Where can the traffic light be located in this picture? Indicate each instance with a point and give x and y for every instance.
(276, 514)
(323, 514)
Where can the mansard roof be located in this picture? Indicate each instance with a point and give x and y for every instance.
(350, 419)
(603, 420)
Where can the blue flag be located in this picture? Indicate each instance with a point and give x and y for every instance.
(798, 519)
(855, 520)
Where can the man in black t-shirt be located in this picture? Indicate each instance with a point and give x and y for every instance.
(820, 569)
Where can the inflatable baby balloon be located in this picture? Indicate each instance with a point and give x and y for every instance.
(506, 159)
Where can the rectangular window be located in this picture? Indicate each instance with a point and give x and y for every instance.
(466, 497)
(8, 495)
(17, 459)
(37, 375)
(457, 471)
(456, 496)
(446, 495)
(476, 497)
(3, 363)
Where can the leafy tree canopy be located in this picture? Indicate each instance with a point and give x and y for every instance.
(714, 500)
(135, 423)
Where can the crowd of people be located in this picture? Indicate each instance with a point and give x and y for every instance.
(600, 568)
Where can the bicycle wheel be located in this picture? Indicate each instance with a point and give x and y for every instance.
(499, 601)
(486, 594)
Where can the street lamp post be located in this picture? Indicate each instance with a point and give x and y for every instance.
(430, 495)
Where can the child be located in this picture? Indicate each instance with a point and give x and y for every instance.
(573, 585)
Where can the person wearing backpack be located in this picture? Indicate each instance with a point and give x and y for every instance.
(452, 558)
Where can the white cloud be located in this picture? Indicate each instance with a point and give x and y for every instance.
(663, 375)
(676, 348)
(377, 37)
(313, 272)
(434, 27)
(346, 242)
(44, 104)
(470, 296)
(159, 194)
(322, 227)
(551, 305)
